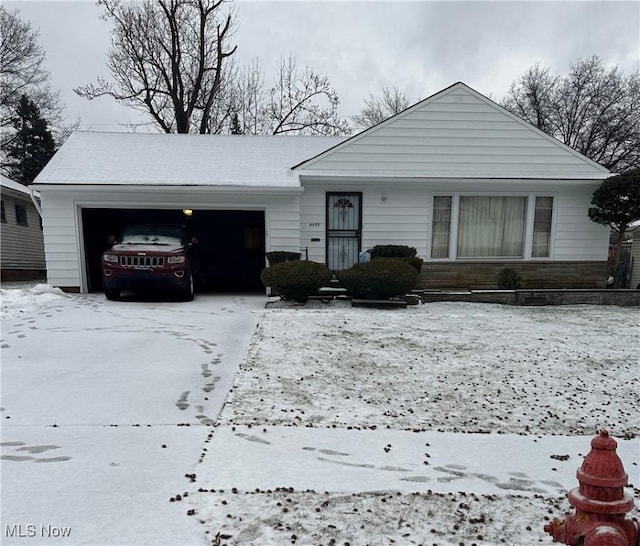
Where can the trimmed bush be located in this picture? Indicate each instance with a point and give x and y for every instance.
(281, 256)
(393, 251)
(508, 279)
(414, 261)
(296, 280)
(381, 278)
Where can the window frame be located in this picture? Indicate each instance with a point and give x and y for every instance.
(551, 223)
(3, 213)
(522, 205)
(530, 209)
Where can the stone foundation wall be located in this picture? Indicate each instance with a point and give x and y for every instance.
(538, 275)
(626, 297)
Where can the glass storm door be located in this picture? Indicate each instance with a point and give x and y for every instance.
(344, 227)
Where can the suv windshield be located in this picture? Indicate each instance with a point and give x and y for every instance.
(153, 235)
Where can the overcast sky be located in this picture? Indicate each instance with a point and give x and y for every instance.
(419, 46)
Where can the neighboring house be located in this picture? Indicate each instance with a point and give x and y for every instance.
(635, 259)
(21, 239)
(472, 187)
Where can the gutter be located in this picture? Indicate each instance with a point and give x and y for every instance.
(35, 201)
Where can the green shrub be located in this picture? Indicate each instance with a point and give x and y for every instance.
(281, 256)
(381, 278)
(392, 251)
(414, 261)
(296, 280)
(508, 279)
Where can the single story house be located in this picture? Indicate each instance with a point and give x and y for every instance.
(21, 239)
(471, 186)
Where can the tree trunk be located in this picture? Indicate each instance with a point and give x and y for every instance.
(617, 273)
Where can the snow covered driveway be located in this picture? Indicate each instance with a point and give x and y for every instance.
(105, 407)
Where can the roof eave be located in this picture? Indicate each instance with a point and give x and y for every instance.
(323, 176)
(167, 188)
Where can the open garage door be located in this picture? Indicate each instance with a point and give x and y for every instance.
(230, 251)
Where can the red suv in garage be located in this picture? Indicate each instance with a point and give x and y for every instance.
(147, 257)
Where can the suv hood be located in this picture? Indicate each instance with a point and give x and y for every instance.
(160, 249)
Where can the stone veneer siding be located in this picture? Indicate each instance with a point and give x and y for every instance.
(484, 276)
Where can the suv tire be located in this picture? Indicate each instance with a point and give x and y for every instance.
(187, 294)
(112, 295)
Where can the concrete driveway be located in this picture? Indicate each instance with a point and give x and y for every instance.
(106, 406)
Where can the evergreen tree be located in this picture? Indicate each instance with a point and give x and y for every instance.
(236, 128)
(33, 145)
(616, 203)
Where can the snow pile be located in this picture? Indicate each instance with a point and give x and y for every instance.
(32, 298)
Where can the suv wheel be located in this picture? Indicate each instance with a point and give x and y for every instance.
(111, 294)
(187, 295)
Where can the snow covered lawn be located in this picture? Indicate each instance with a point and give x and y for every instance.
(356, 423)
(453, 367)
(441, 424)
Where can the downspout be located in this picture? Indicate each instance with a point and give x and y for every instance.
(35, 201)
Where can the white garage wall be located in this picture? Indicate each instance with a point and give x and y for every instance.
(61, 210)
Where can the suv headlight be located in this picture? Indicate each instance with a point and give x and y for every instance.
(175, 259)
(111, 258)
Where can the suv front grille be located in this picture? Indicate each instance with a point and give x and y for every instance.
(142, 261)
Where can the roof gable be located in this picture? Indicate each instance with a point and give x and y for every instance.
(455, 133)
(13, 185)
(16, 188)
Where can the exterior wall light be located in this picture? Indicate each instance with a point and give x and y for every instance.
(187, 212)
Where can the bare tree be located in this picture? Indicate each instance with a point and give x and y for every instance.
(593, 109)
(532, 95)
(303, 102)
(168, 59)
(22, 64)
(377, 109)
(300, 102)
(250, 99)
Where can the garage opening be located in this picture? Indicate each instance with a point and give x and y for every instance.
(230, 249)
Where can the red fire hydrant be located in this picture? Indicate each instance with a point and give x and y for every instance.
(600, 501)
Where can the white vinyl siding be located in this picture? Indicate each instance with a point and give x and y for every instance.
(574, 236)
(390, 215)
(402, 213)
(454, 133)
(61, 241)
(63, 230)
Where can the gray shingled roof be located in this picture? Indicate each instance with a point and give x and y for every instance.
(172, 159)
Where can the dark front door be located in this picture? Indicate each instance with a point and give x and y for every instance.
(344, 228)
